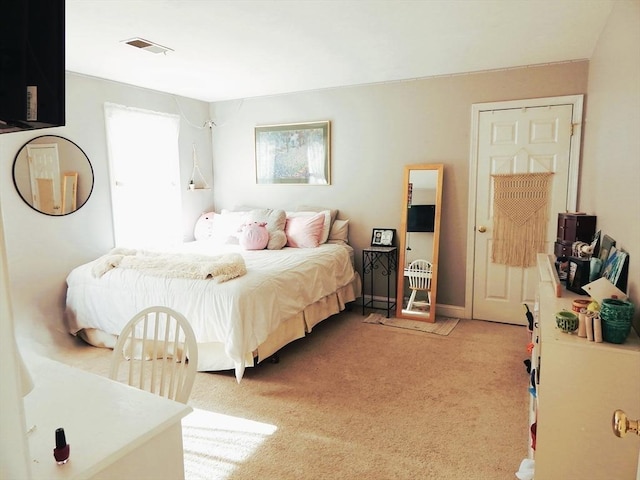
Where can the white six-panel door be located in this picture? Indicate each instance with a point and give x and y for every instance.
(520, 140)
(44, 169)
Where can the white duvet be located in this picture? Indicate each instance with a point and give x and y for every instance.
(239, 313)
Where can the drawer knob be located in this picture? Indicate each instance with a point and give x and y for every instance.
(622, 425)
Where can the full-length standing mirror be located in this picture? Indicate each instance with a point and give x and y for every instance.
(53, 175)
(419, 242)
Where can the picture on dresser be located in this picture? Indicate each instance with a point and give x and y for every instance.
(595, 244)
(605, 248)
(613, 268)
(383, 237)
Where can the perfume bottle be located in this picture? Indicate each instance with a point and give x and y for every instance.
(61, 452)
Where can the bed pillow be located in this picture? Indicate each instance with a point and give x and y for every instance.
(254, 236)
(326, 227)
(304, 231)
(333, 213)
(275, 221)
(339, 231)
(204, 226)
(227, 227)
(218, 228)
(307, 208)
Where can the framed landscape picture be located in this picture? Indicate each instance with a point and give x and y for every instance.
(297, 154)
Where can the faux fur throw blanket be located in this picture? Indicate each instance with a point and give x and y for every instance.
(219, 268)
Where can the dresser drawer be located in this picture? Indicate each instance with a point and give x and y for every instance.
(562, 249)
(573, 227)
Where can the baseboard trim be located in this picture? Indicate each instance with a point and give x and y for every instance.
(452, 311)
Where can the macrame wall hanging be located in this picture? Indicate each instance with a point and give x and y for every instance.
(520, 217)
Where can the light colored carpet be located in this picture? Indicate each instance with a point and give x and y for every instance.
(352, 402)
(442, 325)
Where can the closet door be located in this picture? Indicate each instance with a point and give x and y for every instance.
(516, 141)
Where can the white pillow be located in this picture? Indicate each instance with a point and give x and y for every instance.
(227, 226)
(204, 226)
(326, 227)
(339, 231)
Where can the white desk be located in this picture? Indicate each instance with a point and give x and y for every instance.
(114, 431)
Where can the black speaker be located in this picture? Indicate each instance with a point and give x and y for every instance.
(578, 271)
(32, 64)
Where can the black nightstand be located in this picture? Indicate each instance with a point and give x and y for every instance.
(384, 260)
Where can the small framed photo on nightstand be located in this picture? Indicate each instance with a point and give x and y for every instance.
(383, 237)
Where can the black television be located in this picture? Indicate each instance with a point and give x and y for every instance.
(32, 64)
(421, 218)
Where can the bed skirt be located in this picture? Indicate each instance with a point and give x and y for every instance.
(211, 355)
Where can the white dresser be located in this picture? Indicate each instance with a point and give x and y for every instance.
(114, 431)
(581, 384)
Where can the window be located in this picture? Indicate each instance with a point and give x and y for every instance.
(145, 177)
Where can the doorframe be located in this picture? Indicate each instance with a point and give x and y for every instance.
(574, 163)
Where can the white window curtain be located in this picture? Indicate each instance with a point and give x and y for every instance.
(145, 177)
(315, 154)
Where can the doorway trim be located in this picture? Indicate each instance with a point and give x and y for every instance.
(574, 164)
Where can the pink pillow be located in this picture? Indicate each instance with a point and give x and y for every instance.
(304, 231)
(254, 236)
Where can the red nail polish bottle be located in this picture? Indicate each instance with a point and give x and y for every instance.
(61, 452)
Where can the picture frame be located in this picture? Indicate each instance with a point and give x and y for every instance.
(293, 154)
(383, 237)
(595, 244)
(605, 248)
(616, 268)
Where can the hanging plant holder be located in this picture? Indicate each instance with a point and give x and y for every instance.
(197, 180)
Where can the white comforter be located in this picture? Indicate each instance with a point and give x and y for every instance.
(239, 313)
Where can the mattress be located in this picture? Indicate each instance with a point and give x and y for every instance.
(280, 289)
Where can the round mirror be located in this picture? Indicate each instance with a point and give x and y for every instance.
(53, 175)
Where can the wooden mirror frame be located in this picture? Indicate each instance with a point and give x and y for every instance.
(430, 316)
(74, 170)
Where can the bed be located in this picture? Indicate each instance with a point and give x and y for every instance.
(279, 297)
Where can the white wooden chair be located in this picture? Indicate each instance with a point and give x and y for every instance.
(419, 273)
(157, 352)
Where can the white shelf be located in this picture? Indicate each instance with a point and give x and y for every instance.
(581, 384)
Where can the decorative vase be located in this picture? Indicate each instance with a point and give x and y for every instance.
(567, 321)
(616, 317)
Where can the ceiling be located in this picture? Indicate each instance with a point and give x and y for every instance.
(231, 49)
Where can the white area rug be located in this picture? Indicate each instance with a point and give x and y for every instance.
(442, 326)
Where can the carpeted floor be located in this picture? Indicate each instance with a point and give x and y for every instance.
(442, 325)
(358, 401)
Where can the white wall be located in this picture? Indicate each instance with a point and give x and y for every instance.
(376, 130)
(14, 456)
(41, 249)
(610, 184)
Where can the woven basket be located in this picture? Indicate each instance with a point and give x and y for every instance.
(616, 318)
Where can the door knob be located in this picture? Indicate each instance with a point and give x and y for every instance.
(482, 229)
(621, 424)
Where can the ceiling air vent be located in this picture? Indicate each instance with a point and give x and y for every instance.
(147, 45)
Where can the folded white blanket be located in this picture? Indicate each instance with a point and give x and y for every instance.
(219, 268)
